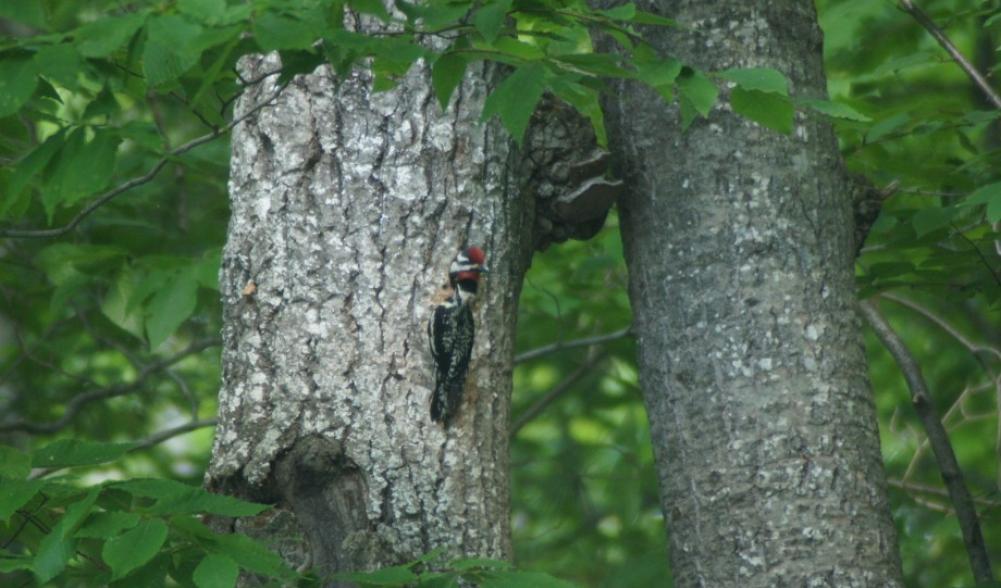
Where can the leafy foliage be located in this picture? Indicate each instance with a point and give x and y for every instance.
(112, 191)
(114, 531)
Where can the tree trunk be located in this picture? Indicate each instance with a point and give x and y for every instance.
(347, 208)
(739, 242)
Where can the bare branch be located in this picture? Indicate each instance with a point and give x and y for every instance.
(160, 437)
(533, 411)
(945, 456)
(561, 345)
(78, 402)
(973, 347)
(136, 181)
(927, 489)
(978, 79)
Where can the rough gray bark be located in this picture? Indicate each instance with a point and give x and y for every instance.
(740, 248)
(347, 209)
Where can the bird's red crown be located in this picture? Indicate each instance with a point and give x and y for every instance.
(476, 255)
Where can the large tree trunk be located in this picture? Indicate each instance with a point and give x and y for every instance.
(347, 209)
(740, 248)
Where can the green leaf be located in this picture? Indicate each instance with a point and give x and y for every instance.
(621, 12)
(206, 11)
(933, 218)
(134, 548)
(13, 564)
(446, 74)
(67, 263)
(18, 78)
(29, 12)
(373, 7)
(515, 99)
(392, 576)
(56, 548)
(178, 498)
(473, 563)
(518, 50)
(768, 109)
(117, 305)
(836, 110)
(206, 270)
(172, 48)
(587, 101)
(14, 463)
(31, 165)
(994, 210)
(84, 168)
(698, 90)
(50, 560)
(489, 19)
(517, 579)
(60, 63)
(77, 452)
(595, 64)
(649, 18)
(216, 571)
(103, 525)
(170, 307)
(106, 35)
(761, 79)
(658, 74)
(274, 31)
(989, 195)
(886, 126)
(16, 493)
(251, 555)
(103, 104)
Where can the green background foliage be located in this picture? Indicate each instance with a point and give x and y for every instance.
(113, 209)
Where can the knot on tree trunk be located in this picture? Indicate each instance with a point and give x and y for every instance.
(568, 173)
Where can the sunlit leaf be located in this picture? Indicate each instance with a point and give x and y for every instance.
(768, 109)
(18, 78)
(761, 79)
(515, 98)
(77, 452)
(446, 73)
(133, 548)
(216, 571)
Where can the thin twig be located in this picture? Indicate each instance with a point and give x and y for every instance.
(154, 439)
(78, 402)
(161, 436)
(945, 456)
(557, 390)
(136, 181)
(974, 348)
(561, 345)
(918, 487)
(924, 20)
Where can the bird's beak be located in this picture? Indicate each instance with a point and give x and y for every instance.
(483, 269)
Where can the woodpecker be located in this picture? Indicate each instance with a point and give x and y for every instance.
(451, 331)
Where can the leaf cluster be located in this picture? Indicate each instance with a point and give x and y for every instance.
(140, 531)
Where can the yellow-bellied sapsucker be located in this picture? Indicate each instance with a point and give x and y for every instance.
(451, 331)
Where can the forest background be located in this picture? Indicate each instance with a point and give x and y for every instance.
(113, 211)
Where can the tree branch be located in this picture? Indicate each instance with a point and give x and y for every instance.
(945, 457)
(136, 181)
(561, 345)
(973, 347)
(924, 20)
(161, 436)
(533, 411)
(78, 402)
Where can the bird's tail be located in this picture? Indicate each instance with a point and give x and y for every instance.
(446, 399)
